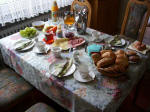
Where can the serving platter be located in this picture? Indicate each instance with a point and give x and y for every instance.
(66, 43)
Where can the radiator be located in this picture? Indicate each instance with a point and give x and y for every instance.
(15, 27)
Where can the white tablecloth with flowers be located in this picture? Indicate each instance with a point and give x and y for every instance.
(103, 94)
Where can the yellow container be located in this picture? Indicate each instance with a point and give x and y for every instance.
(54, 6)
(54, 11)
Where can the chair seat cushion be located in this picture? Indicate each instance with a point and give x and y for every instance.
(40, 107)
(12, 87)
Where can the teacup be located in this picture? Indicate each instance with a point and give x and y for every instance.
(84, 72)
(41, 46)
(56, 51)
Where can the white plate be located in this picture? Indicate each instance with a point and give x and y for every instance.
(69, 72)
(36, 50)
(79, 78)
(26, 48)
(122, 41)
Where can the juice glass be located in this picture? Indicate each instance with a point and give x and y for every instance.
(49, 38)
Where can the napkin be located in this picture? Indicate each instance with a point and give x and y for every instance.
(94, 48)
(23, 45)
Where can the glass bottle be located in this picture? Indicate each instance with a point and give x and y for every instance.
(59, 32)
(54, 11)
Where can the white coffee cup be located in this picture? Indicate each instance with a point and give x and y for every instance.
(84, 72)
(41, 46)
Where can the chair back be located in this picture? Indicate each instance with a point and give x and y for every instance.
(135, 11)
(79, 4)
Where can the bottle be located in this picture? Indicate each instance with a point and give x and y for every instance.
(59, 32)
(54, 11)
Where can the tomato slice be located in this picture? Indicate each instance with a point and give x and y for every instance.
(54, 29)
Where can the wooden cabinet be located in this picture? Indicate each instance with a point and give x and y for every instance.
(105, 15)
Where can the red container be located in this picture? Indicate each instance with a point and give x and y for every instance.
(49, 38)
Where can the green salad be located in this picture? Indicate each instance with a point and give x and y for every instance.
(28, 32)
(116, 41)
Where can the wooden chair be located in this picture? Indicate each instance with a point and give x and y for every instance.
(82, 4)
(132, 22)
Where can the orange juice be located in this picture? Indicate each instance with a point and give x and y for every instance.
(69, 20)
(54, 11)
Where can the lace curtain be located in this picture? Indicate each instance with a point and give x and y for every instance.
(12, 10)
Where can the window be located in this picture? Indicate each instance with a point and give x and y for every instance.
(11, 10)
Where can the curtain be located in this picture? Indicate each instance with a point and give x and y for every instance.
(12, 10)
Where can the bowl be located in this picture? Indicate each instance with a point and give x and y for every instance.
(39, 25)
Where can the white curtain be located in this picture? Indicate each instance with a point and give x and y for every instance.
(11, 10)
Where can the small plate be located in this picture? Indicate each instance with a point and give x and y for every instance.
(76, 45)
(78, 77)
(26, 48)
(36, 50)
(122, 41)
(68, 73)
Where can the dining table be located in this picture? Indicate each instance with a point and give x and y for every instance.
(104, 94)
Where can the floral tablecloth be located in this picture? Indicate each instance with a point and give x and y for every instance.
(102, 94)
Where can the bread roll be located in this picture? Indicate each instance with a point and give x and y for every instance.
(119, 52)
(122, 62)
(121, 56)
(96, 57)
(115, 69)
(104, 51)
(108, 55)
(135, 58)
(105, 62)
(131, 53)
(139, 46)
(108, 74)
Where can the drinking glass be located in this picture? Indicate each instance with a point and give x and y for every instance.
(49, 37)
(69, 20)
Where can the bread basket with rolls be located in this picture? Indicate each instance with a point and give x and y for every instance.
(111, 63)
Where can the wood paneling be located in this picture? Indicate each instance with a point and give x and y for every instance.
(107, 15)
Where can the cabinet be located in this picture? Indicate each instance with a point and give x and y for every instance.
(105, 15)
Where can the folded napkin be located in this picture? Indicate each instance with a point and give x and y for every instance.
(94, 48)
(22, 45)
(142, 52)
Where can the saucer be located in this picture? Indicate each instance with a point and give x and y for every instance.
(79, 78)
(36, 50)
